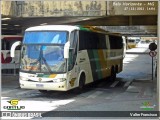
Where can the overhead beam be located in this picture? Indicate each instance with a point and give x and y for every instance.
(77, 8)
(121, 21)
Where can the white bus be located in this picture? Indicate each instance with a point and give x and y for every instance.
(9, 64)
(6, 43)
(62, 57)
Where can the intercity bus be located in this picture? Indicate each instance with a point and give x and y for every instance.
(63, 57)
(6, 43)
(9, 65)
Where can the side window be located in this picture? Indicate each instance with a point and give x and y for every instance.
(6, 44)
(82, 40)
(91, 40)
(116, 42)
(3, 44)
(73, 49)
(101, 42)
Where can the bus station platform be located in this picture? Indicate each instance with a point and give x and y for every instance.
(138, 50)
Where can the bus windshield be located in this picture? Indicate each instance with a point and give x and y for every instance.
(40, 37)
(42, 51)
(43, 58)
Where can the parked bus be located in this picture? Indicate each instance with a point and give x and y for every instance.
(9, 64)
(62, 57)
(6, 43)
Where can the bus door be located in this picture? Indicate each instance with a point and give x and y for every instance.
(72, 65)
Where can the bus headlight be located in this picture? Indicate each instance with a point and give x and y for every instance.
(59, 80)
(23, 78)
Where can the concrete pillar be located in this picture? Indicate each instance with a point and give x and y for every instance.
(0, 43)
(158, 61)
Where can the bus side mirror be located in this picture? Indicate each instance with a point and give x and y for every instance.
(13, 48)
(66, 50)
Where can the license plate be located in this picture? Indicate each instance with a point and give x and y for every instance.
(39, 85)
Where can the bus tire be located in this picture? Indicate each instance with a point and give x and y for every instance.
(81, 81)
(81, 85)
(113, 74)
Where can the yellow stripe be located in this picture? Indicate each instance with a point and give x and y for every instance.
(52, 75)
(102, 62)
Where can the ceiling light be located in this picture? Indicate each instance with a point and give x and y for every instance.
(6, 18)
(86, 19)
(16, 25)
(4, 24)
(43, 24)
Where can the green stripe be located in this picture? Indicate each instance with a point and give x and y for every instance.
(148, 108)
(97, 62)
(93, 65)
(42, 75)
(83, 28)
(46, 76)
(14, 109)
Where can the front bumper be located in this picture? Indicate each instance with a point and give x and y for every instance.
(60, 86)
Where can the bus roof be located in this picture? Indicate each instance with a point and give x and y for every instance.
(70, 28)
(53, 27)
(65, 28)
(12, 37)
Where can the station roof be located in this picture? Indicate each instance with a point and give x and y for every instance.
(19, 24)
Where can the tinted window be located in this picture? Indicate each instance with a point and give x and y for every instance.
(116, 42)
(91, 40)
(6, 44)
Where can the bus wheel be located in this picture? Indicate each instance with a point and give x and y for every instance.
(80, 88)
(113, 74)
(82, 82)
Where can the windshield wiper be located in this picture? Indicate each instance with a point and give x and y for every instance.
(46, 64)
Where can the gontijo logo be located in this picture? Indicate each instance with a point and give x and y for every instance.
(147, 106)
(13, 102)
(14, 105)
